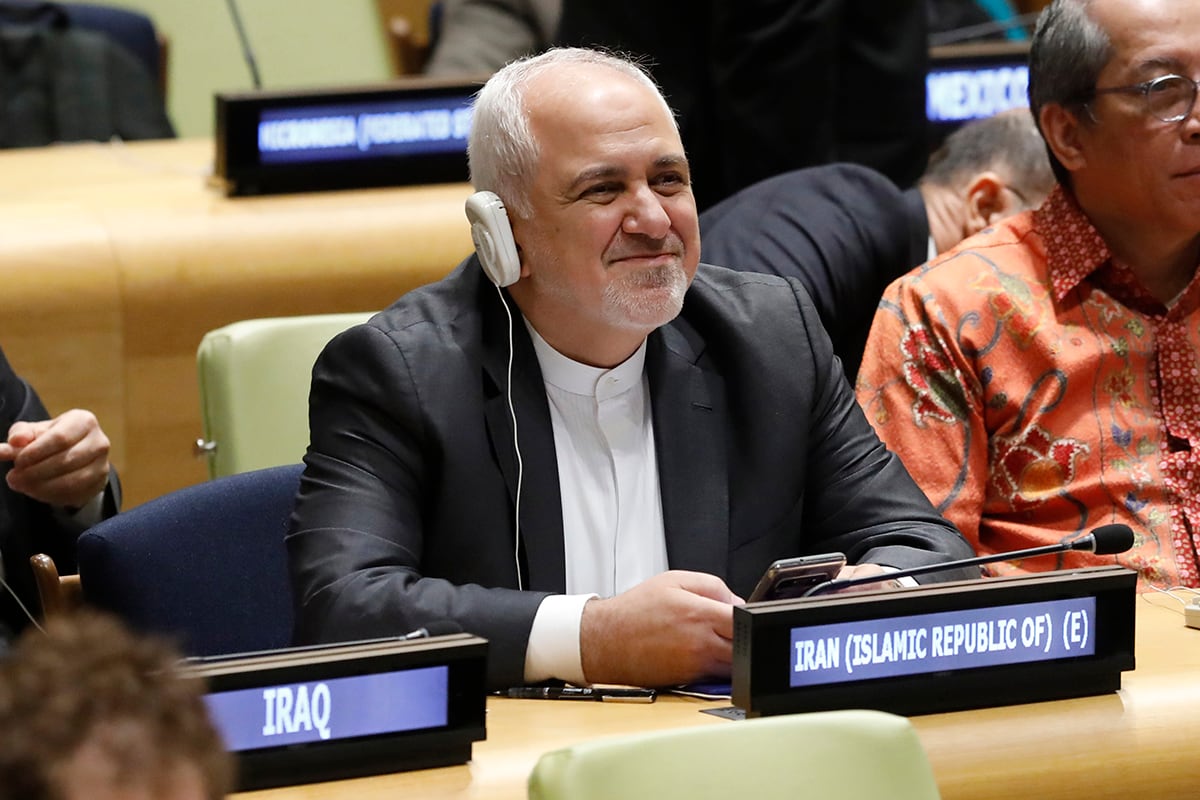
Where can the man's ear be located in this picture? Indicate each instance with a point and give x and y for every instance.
(1061, 129)
(518, 230)
(986, 201)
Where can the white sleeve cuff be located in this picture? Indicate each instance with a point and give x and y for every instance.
(553, 650)
(86, 515)
(905, 581)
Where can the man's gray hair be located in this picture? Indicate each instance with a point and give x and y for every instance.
(1068, 52)
(1007, 143)
(502, 151)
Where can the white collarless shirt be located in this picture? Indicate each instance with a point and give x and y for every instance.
(613, 536)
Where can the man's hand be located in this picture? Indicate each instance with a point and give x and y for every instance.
(674, 628)
(62, 462)
(864, 571)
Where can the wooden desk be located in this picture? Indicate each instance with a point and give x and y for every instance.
(1136, 743)
(115, 259)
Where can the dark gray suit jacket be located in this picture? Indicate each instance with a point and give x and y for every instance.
(28, 526)
(405, 509)
(844, 230)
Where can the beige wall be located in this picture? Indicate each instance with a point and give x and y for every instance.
(297, 43)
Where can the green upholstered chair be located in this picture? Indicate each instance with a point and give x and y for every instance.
(254, 382)
(847, 755)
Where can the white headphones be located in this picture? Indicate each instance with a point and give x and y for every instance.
(497, 251)
(492, 235)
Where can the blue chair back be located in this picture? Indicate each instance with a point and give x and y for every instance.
(131, 29)
(205, 565)
(126, 27)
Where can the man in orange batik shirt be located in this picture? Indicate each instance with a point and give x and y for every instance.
(1042, 378)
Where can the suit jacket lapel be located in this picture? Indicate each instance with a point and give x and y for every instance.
(690, 426)
(540, 519)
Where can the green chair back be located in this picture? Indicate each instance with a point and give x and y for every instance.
(842, 755)
(254, 382)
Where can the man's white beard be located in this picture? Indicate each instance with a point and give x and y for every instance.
(629, 304)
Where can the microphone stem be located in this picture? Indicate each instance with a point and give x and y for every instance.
(1045, 550)
(942, 38)
(247, 51)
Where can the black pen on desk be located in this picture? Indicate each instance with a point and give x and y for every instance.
(583, 693)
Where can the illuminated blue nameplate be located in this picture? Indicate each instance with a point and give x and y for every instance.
(419, 126)
(973, 81)
(317, 713)
(981, 637)
(958, 95)
(338, 708)
(940, 647)
(404, 132)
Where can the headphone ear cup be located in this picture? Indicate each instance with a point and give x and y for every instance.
(485, 248)
(492, 235)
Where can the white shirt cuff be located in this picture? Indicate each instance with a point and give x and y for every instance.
(905, 581)
(553, 650)
(86, 515)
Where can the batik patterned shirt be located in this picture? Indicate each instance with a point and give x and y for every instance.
(1036, 390)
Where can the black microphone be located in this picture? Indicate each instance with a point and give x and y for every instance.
(1103, 541)
(970, 33)
(247, 50)
(441, 627)
(13, 593)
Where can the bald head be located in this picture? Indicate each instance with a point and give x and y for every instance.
(985, 171)
(502, 151)
(1007, 143)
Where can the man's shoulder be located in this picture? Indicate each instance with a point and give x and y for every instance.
(833, 185)
(18, 400)
(1012, 247)
(425, 324)
(749, 325)
(715, 280)
(752, 297)
(7, 376)
(996, 268)
(453, 297)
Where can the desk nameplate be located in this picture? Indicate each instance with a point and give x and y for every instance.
(318, 713)
(938, 648)
(405, 132)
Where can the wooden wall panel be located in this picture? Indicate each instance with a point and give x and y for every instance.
(116, 259)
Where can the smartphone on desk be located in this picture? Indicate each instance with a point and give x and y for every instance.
(792, 577)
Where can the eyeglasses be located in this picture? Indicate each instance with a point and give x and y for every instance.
(1169, 98)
